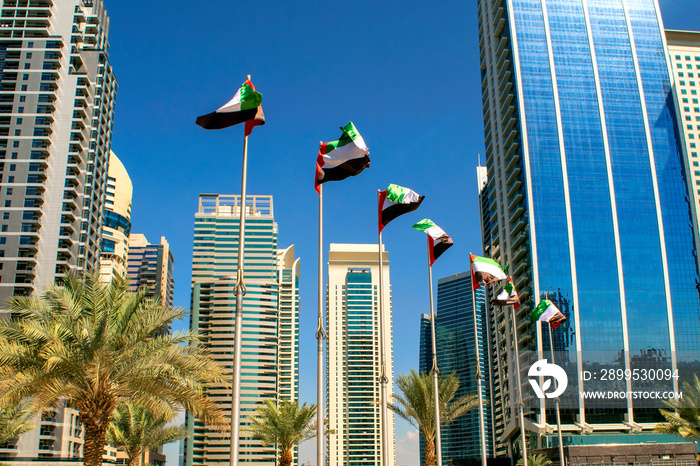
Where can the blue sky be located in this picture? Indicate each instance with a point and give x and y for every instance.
(406, 73)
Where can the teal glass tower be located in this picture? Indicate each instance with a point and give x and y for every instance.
(270, 346)
(456, 352)
(588, 202)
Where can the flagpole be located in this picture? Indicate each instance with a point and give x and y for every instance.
(482, 429)
(240, 292)
(520, 388)
(383, 379)
(320, 336)
(438, 446)
(556, 401)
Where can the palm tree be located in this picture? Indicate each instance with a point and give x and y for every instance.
(535, 460)
(416, 404)
(683, 417)
(284, 426)
(16, 419)
(95, 346)
(134, 430)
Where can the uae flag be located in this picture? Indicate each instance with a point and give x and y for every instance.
(438, 241)
(396, 201)
(548, 312)
(508, 296)
(486, 271)
(343, 158)
(245, 106)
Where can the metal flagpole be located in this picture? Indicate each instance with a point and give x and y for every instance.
(438, 446)
(556, 401)
(520, 388)
(482, 429)
(383, 379)
(320, 336)
(240, 292)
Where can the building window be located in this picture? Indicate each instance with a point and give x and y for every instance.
(25, 77)
(8, 203)
(5, 215)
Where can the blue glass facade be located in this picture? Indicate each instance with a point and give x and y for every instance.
(456, 352)
(579, 96)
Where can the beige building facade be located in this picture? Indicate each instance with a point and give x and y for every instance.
(684, 53)
(353, 358)
(117, 220)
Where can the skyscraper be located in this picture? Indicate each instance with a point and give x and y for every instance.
(588, 203)
(684, 53)
(117, 220)
(270, 354)
(151, 266)
(353, 364)
(456, 352)
(57, 93)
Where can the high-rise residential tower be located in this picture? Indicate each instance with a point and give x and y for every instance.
(57, 94)
(587, 201)
(353, 363)
(684, 52)
(151, 265)
(270, 346)
(117, 220)
(456, 340)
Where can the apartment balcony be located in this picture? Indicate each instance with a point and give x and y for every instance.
(518, 226)
(79, 113)
(65, 244)
(522, 282)
(520, 252)
(515, 214)
(514, 189)
(27, 253)
(521, 267)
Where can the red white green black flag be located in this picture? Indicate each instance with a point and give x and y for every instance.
(508, 296)
(395, 201)
(438, 241)
(343, 158)
(548, 312)
(245, 106)
(486, 271)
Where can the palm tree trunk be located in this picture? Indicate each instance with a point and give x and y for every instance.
(94, 446)
(286, 458)
(429, 452)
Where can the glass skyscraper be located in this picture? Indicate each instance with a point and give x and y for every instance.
(456, 352)
(587, 200)
(270, 346)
